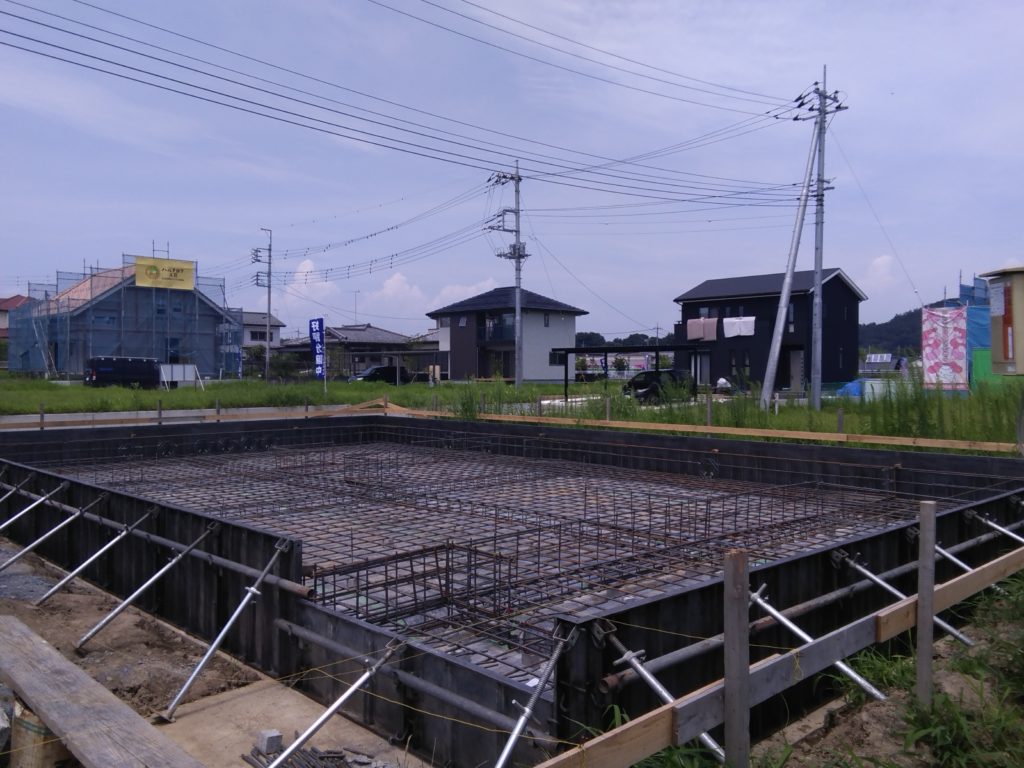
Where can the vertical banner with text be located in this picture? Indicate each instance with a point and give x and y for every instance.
(316, 344)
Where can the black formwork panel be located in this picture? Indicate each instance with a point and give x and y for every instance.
(430, 726)
(196, 594)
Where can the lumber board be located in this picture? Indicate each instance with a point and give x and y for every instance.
(702, 710)
(97, 727)
(901, 616)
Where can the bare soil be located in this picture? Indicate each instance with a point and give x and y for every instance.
(143, 661)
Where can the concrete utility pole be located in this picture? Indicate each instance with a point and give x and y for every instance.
(516, 252)
(819, 240)
(256, 257)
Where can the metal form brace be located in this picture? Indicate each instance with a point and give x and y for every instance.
(900, 596)
(250, 593)
(34, 504)
(758, 599)
(527, 711)
(635, 660)
(94, 557)
(60, 526)
(912, 533)
(212, 527)
(282, 759)
(13, 489)
(994, 526)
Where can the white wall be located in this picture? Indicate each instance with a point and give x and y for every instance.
(538, 341)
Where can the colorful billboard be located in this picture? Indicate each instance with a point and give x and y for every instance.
(944, 347)
(165, 273)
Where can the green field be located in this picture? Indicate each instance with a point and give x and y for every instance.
(991, 412)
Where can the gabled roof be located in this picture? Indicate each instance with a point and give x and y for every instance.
(505, 298)
(763, 285)
(12, 302)
(365, 333)
(260, 318)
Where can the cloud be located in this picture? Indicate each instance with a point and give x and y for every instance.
(452, 293)
(94, 109)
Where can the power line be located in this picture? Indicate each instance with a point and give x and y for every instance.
(566, 170)
(617, 56)
(545, 62)
(755, 98)
(363, 94)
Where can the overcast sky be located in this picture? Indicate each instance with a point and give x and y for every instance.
(925, 162)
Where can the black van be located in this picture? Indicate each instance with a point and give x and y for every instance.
(125, 371)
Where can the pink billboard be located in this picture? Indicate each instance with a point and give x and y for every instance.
(944, 347)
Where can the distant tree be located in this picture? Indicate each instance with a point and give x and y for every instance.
(633, 340)
(620, 364)
(589, 339)
(900, 334)
(582, 364)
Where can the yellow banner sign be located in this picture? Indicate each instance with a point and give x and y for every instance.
(165, 273)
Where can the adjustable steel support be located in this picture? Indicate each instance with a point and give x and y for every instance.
(758, 599)
(13, 489)
(900, 596)
(635, 660)
(152, 580)
(282, 759)
(60, 526)
(527, 711)
(34, 504)
(94, 557)
(250, 593)
(971, 514)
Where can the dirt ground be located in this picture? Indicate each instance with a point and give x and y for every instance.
(144, 662)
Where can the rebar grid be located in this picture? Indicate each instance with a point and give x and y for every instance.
(476, 552)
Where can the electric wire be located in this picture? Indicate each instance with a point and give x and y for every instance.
(750, 98)
(874, 213)
(552, 64)
(262, 62)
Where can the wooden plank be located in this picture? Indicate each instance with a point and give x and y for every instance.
(97, 727)
(901, 616)
(698, 712)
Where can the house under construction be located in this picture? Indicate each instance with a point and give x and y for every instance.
(147, 307)
(487, 550)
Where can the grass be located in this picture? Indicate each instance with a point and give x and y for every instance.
(990, 413)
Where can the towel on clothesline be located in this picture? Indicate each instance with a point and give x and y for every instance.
(695, 329)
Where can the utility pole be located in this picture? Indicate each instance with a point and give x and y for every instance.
(257, 257)
(355, 307)
(516, 252)
(819, 240)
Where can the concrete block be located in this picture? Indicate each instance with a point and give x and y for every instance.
(269, 742)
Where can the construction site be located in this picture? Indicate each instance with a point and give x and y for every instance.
(480, 568)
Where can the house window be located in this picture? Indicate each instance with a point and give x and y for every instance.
(789, 318)
(547, 319)
(746, 366)
(444, 322)
(728, 312)
(161, 306)
(462, 322)
(271, 335)
(703, 312)
(732, 363)
(739, 311)
(556, 358)
(257, 335)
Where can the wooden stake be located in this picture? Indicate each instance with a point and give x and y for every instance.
(737, 659)
(925, 603)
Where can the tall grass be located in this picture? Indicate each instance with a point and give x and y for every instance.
(906, 408)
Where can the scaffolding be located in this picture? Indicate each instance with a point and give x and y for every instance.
(101, 312)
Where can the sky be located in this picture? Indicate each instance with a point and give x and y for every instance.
(375, 140)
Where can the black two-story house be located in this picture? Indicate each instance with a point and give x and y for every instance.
(729, 322)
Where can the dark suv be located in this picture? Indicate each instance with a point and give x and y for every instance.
(650, 386)
(389, 374)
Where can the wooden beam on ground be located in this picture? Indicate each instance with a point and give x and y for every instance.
(99, 729)
(901, 616)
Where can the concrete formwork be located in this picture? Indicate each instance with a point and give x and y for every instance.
(473, 541)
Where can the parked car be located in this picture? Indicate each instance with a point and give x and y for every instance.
(389, 374)
(126, 371)
(651, 386)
